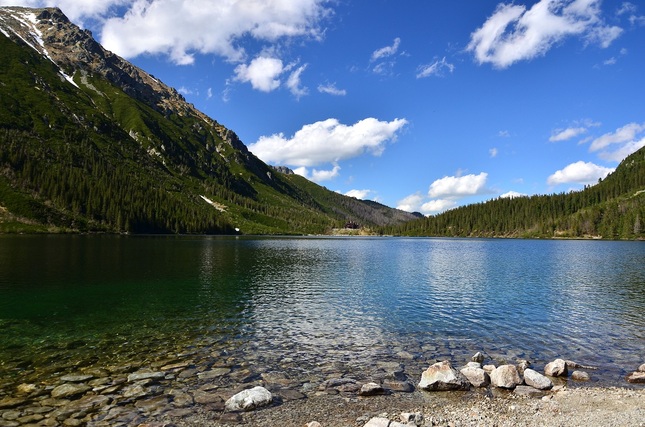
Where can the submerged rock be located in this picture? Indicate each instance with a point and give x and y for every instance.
(505, 376)
(557, 368)
(371, 389)
(69, 390)
(580, 376)
(250, 399)
(145, 375)
(442, 377)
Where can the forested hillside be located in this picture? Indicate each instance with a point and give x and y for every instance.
(611, 209)
(88, 142)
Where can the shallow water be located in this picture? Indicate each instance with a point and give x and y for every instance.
(315, 306)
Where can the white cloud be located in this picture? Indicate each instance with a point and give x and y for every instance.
(493, 152)
(209, 93)
(411, 203)
(437, 68)
(185, 91)
(327, 141)
(293, 83)
(622, 135)
(263, 73)
(445, 194)
(514, 33)
(511, 195)
(359, 194)
(180, 28)
(459, 186)
(325, 175)
(387, 50)
(624, 151)
(580, 173)
(565, 134)
(331, 89)
(437, 206)
(75, 10)
(504, 134)
(317, 175)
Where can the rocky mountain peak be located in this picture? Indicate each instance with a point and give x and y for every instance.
(75, 51)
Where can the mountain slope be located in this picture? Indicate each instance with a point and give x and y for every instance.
(611, 209)
(89, 142)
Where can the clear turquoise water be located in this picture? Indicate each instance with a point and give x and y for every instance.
(70, 301)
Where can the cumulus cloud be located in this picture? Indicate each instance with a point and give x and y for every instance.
(327, 141)
(318, 175)
(180, 28)
(411, 203)
(263, 73)
(437, 206)
(331, 89)
(511, 195)
(386, 51)
(359, 194)
(437, 68)
(493, 152)
(75, 10)
(445, 194)
(622, 135)
(627, 139)
(514, 33)
(579, 173)
(459, 186)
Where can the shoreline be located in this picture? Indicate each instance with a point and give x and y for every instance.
(574, 407)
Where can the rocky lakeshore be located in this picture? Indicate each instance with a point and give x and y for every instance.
(215, 392)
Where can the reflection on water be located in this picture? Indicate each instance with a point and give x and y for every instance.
(317, 301)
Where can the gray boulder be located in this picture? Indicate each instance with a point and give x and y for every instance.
(441, 377)
(478, 357)
(505, 376)
(249, 399)
(557, 368)
(537, 380)
(68, 390)
(477, 376)
(636, 378)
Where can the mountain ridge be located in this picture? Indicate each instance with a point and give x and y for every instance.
(90, 142)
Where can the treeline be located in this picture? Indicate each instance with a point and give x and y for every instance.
(94, 194)
(612, 209)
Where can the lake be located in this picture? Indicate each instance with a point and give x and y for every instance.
(312, 307)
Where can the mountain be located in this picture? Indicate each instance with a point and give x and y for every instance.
(89, 142)
(612, 209)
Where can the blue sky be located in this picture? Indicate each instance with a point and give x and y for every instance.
(420, 105)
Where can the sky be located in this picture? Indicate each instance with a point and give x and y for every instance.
(420, 105)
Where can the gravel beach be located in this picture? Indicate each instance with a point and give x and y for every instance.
(563, 407)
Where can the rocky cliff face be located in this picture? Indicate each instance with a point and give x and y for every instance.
(77, 54)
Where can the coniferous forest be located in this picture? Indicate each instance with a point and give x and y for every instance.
(612, 209)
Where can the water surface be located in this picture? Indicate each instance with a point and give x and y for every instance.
(313, 305)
